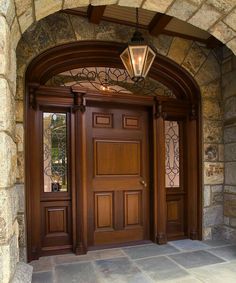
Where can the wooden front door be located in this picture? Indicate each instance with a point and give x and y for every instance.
(117, 174)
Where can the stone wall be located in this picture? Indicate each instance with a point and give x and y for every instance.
(229, 97)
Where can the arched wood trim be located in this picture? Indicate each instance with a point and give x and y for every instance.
(106, 54)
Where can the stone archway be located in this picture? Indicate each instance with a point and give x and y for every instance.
(201, 63)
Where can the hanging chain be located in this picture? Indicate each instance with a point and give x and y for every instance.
(137, 19)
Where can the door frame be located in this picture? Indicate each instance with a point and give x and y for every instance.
(187, 107)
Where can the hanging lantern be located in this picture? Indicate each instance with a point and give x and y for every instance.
(138, 56)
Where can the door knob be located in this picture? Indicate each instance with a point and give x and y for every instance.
(142, 182)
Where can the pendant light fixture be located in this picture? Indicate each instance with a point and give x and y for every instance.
(138, 56)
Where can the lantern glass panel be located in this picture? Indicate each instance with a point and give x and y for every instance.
(126, 59)
(138, 54)
(149, 60)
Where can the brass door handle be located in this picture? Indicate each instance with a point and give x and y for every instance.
(142, 182)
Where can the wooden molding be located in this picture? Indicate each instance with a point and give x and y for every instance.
(95, 13)
(158, 24)
(212, 42)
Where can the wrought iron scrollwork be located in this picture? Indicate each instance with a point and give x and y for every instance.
(172, 153)
(110, 80)
(55, 151)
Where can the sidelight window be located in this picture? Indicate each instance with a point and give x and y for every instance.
(55, 152)
(172, 154)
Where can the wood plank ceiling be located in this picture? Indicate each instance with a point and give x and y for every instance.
(155, 23)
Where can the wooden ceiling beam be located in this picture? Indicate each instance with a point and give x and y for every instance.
(158, 24)
(95, 13)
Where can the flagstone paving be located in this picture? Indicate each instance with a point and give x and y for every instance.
(184, 261)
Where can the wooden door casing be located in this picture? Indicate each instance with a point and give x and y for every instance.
(118, 174)
(77, 203)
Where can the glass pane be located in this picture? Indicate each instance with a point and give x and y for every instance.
(55, 152)
(149, 59)
(172, 153)
(138, 54)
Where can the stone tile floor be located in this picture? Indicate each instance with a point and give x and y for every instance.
(182, 261)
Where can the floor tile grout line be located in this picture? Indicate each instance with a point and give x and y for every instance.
(142, 271)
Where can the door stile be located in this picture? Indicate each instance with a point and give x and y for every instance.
(80, 181)
(192, 178)
(160, 208)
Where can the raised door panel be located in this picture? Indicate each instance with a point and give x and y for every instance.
(117, 157)
(133, 208)
(175, 216)
(56, 225)
(104, 211)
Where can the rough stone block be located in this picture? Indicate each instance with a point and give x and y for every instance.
(15, 33)
(83, 29)
(231, 19)
(182, 9)
(162, 43)
(36, 39)
(213, 216)
(20, 137)
(179, 49)
(7, 108)
(60, 28)
(23, 273)
(160, 6)
(230, 189)
(227, 65)
(205, 17)
(232, 45)
(20, 190)
(211, 109)
(229, 85)
(19, 111)
(22, 6)
(22, 236)
(222, 32)
(69, 4)
(194, 59)
(230, 134)
(213, 173)
(224, 233)
(210, 152)
(103, 2)
(230, 205)
(209, 72)
(26, 19)
(212, 131)
(221, 152)
(230, 108)
(230, 152)
(222, 5)
(20, 176)
(233, 222)
(7, 8)
(4, 45)
(217, 198)
(44, 8)
(206, 233)
(130, 3)
(207, 196)
(8, 259)
(211, 90)
(7, 161)
(226, 220)
(230, 176)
